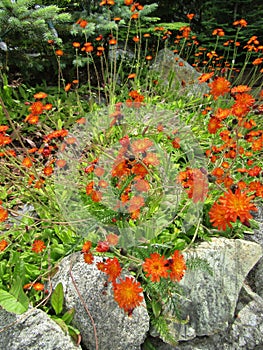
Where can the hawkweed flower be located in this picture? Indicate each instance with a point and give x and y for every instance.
(128, 294)
(177, 266)
(219, 87)
(156, 267)
(38, 246)
(112, 268)
(3, 214)
(3, 245)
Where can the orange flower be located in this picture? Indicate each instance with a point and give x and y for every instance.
(177, 266)
(128, 2)
(257, 61)
(88, 258)
(218, 172)
(176, 142)
(142, 185)
(241, 23)
(102, 247)
(99, 171)
(56, 134)
(86, 247)
(4, 140)
(37, 108)
(219, 87)
(32, 119)
(28, 286)
(190, 16)
(4, 128)
(235, 206)
(107, 2)
(38, 286)
(141, 145)
(156, 267)
(139, 169)
(82, 23)
(112, 239)
(135, 15)
(76, 44)
(48, 107)
(240, 89)
(40, 95)
(61, 163)
(59, 53)
(48, 170)
(3, 243)
(131, 76)
(205, 76)
(218, 217)
(245, 99)
(112, 41)
(219, 32)
(67, 87)
(96, 196)
(27, 162)
(120, 169)
(112, 268)
(148, 58)
(38, 246)
(213, 125)
(136, 203)
(151, 159)
(127, 293)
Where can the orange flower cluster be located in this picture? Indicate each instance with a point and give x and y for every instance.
(37, 108)
(157, 267)
(127, 292)
(135, 100)
(230, 207)
(131, 166)
(36, 286)
(4, 138)
(195, 182)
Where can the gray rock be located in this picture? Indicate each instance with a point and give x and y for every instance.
(211, 300)
(115, 330)
(32, 330)
(178, 74)
(247, 330)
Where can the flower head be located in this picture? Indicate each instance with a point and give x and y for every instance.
(220, 86)
(3, 214)
(127, 293)
(155, 267)
(3, 245)
(38, 246)
(177, 266)
(112, 268)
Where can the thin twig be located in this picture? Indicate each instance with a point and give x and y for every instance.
(85, 307)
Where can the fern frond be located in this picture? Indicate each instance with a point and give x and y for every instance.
(161, 326)
(199, 264)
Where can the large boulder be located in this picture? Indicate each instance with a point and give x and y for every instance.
(175, 73)
(32, 330)
(211, 300)
(115, 329)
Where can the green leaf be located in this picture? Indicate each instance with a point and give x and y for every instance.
(17, 302)
(68, 316)
(61, 324)
(156, 307)
(57, 299)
